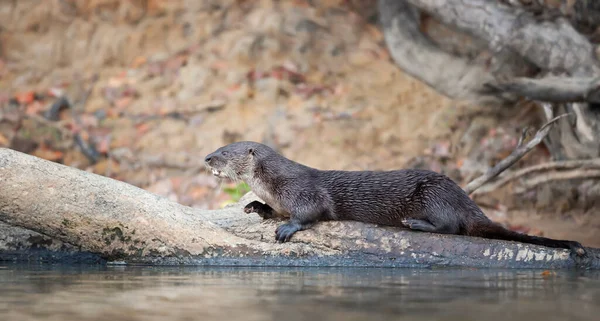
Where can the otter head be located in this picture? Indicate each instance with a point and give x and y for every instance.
(234, 161)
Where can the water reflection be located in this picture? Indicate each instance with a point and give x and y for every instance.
(150, 293)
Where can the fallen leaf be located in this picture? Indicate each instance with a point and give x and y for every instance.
(25, 97)
(121, 140)
(103, 144)
(88, 120)
(283, 72)
(308, 90)
(535, 231)
(104, 166)
(254, 75)
(300, 4)
(176, 62)
(4, 141)
(116, 81)
(110, 93)
(4, 97)
(48, 154)
(85, 136)
(75, 158)
(129, 91)
(155, 69)
(441, 149)
(317, 118)
(361, 58)
(547, 273)
(176, 182)
(156, 7)
(142, 128)
(374, 33)
(340, 90)
(233, 88)
(519, 228)
(123, 102)
(112, 114)
(138, 62)
(198, 192)
(219, 65)
(34, 108)
(55, 92)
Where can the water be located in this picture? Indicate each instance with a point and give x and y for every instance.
(151, 293)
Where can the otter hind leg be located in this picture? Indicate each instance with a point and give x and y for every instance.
(426, 226)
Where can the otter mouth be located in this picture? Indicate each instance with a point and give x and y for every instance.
(216, 172)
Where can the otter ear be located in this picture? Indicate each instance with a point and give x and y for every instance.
(251, 151)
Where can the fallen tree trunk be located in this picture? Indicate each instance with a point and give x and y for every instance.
(122, 223)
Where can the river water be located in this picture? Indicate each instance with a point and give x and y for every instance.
(47, 292)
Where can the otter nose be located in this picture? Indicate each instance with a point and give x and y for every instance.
(208, 158)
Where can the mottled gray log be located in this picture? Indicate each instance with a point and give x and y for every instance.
(125, 224)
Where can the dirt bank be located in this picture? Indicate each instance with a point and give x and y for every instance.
(170, 81)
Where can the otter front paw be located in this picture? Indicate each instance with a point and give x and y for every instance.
(285, 231)
(252, 207)
(263, 210)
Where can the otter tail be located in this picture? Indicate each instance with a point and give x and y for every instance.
(491, 230)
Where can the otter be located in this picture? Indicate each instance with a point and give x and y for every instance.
(421, 200)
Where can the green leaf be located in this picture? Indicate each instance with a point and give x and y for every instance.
(238, 191)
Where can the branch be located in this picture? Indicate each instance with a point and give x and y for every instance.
(559, 176)
(120, 222)
(553, 89)
(516, 155)
(581, 164)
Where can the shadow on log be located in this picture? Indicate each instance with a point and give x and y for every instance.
(125, 224)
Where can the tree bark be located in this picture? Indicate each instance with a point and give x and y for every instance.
(514, 35)
(122, 223)
(583, 14)
(554, 46)
(420, 57)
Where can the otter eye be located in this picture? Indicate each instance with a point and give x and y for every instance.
(224, 153)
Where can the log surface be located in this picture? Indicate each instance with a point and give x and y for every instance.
(121, 223)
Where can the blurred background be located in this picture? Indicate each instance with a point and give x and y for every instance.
(142, 90)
